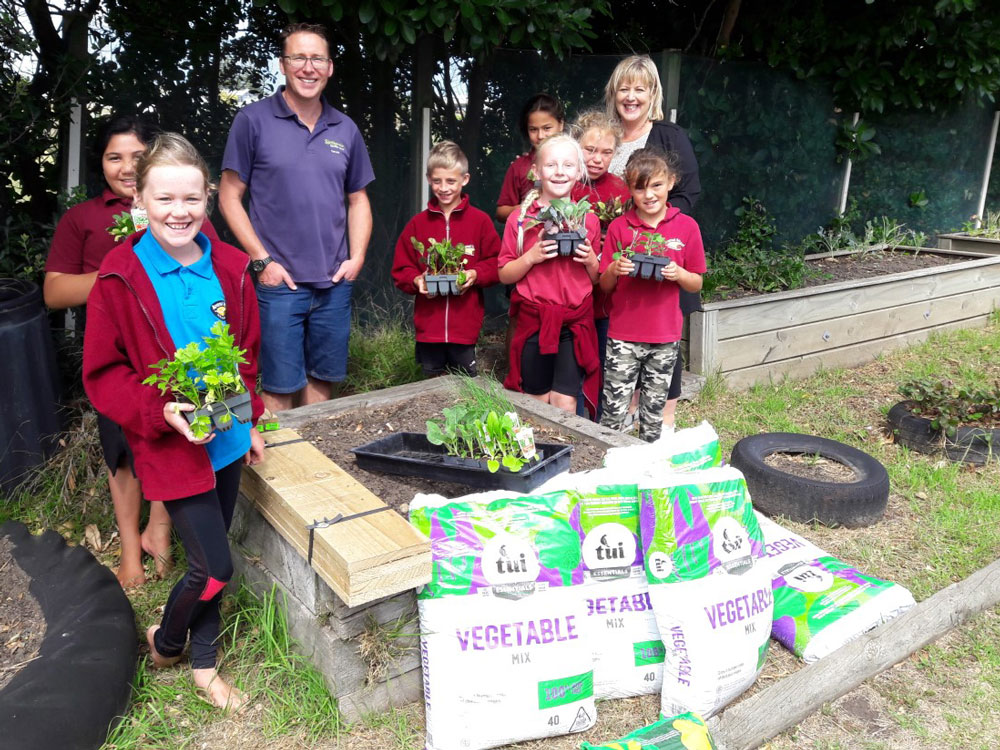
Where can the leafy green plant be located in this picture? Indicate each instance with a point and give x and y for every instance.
(949, 405)
(443, 257)
(750, 261)
(646, 242)
(484, 425)
(563, 215)
(856, 141)
(608, 211)
(203, 375)
(123, 226)
(989, 226)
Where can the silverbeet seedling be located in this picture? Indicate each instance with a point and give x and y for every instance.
(468, 432)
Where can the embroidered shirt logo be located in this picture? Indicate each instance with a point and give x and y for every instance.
(674, 243)
(336, 147)
(219, 309)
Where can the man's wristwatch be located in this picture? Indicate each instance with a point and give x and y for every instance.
(258, 265)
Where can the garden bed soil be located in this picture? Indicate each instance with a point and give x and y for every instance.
(22, 625)
(836, 268)
(336, 435)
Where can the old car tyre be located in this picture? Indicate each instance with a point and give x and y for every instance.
(71, 695)
(913, 431)
(777, 493)
(973, 445)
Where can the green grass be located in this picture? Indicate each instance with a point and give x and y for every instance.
(381, 355)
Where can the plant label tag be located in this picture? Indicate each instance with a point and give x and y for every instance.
(515, 421)
(526, 439)
(139, 218)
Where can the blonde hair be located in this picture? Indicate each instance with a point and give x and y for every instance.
(639, 68)
(560, 139)
(447, 155)
(171, 150)
(597, 119)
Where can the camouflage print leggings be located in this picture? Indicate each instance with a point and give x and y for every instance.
(625, 361)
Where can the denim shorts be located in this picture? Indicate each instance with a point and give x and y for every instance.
(303, 332)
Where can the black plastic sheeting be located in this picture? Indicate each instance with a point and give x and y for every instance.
(69, 697)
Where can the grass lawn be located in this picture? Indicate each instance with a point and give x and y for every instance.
(941, 525)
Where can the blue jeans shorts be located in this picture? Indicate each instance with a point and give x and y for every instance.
(303, 332)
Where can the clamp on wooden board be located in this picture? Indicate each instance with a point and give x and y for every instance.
(327, 522)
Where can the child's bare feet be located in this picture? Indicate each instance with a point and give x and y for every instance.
(215, 690)
(130, 575)
(159, 661)
(155, 540)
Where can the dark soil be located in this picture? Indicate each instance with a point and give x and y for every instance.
(338, 434)
(861, 266)
(22, 625)
(811, 467)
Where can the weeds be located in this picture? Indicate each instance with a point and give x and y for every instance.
(381, 355)
(382, 645)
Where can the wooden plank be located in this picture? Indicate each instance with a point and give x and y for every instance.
(848, 356)
(301, 415)
(828, 335)
(763, 715)
(704, 339)
(772, 312)
(362, 558)
(739, 317)
(961, 242)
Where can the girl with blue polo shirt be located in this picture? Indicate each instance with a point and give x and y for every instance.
(155, 294)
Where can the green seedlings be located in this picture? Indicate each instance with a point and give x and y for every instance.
(443, 257)
(203, 375)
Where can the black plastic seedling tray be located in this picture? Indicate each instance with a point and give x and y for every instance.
(411, 454)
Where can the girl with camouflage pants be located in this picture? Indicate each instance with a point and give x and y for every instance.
(644, 329)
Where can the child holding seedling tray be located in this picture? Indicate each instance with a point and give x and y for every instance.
(644, 328)
(554, 346)
(445, 257)
(157, 294)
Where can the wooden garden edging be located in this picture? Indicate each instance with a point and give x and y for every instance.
(962, 242)
(794, 333)
(368, 553)
(784, 704)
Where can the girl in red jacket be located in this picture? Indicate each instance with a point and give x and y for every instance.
(554, 347)
(155, 293)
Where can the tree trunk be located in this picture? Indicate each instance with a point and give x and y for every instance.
(472, 125)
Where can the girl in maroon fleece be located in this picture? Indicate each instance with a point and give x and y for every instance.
(155, 293)
(554, 346)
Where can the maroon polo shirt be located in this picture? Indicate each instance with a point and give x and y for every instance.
(82, 240)
(516, 183)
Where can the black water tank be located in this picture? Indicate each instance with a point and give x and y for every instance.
(29, 390)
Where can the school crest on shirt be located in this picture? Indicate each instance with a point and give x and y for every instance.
(674, 243)
(219, 309)
(336, 147)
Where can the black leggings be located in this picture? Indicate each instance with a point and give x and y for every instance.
(193, 605)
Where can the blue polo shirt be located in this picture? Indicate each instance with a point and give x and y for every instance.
(297, 182)
(192, 302)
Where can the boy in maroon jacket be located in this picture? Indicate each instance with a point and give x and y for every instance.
(447, 326)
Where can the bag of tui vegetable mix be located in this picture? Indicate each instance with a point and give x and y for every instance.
(691, 449)
(683, 732)
(711, 595)
(503, 645)
(621, 629)
(821, 603)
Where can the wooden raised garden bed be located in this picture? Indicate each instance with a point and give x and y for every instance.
(794, 333)
(964, 243)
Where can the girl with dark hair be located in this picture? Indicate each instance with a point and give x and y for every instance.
(542, 116)
(82, 239)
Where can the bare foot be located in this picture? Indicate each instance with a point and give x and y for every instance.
(130, 576)
(155, 540)
(215, 690)
(159, 661)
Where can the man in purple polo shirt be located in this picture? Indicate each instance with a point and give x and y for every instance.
(300, 159)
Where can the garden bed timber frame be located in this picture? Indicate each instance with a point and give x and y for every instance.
(797, 332)
(965, 243)
(329, 604)
(328, 630)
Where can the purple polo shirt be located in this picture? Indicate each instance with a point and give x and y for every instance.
(297, 182)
